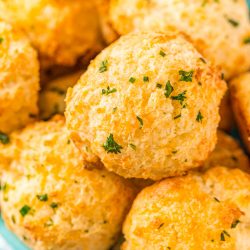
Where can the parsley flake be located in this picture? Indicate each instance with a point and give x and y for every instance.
(1, 39)
(111, 146)
(246, 40)
(158, 85)
(162, 53)
(216, 199)
(223, 234)
(140, 121)
(25, 210)
(180, 97)
(132, 146)
(132, 79)
(178, 116)
(104, 66)
(203, 60)
(108, 91)
(235, 223)
(233, 22)
(186, 76)
(169, 89)
(54, 205)
(42, 197)
(146, 79)
(4, 138)
(199, 117)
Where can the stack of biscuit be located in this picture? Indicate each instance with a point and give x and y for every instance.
(116, 122)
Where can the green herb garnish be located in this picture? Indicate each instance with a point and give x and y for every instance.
(1, 39)
(108, 91)
(235, 223)
(199, 117)
(162, 53)
(111, 146)
(25, 210)
(54, 205)
(132, 146)
(178, 116)
(186, 76)
(140, 121)
(4, 138)
(233, 22)
(158, 85)
(169, 89)
(146, 79)
(223, 234)
(246, 40)
(42, 197)
(180, 97)
(103, 66)
(216, 199)
(132, 79)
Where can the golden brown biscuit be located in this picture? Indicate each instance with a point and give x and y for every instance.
(240, 91)
(61, 30)
(220, 30)
(19, 81)
(147, 107)
(51, 99)
(50, 201)
(228, 153)
(208, 212)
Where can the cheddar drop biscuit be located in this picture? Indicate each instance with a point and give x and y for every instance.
(147, 107)
(209, 211)
(19, 80)
(50, 201)
(220, 30)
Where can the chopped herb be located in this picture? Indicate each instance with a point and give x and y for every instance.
(233, 22)
(235, 223)
(25, 238)
(108, 91)
(162, 53)
(57, 90)
(140, 121)
(13, 219)
(132, 79)
(199, 83)
(111, 146)
(180, 97)
(222, 76)
(169, 89)
(178, 116)
(216, 199)
(25, 210)
(4, 138)
(1, 39)
(246, 40)
(203, 60)
(199, 117)
(174, 151)
(186, 76)
(4, 187)
(54, 205)
(103, 66)
(68, 141)
(49, 223)
(212, 240)
(146, 79)
(132, 146)
(161, 225)
(42, 197)
(223, 234)
(169, 248)
(158, 85)
(114, 109)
